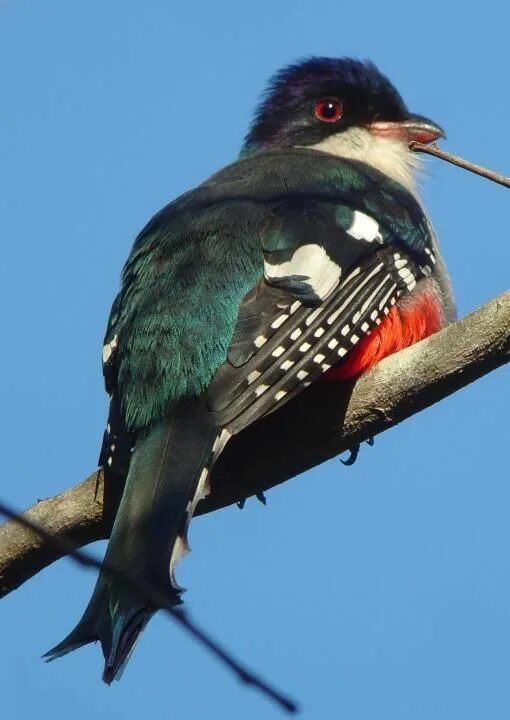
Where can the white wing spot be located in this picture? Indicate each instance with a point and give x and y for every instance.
(286, 365)
(365, 327)
(325, 367)
(261, 390)
(304, 347)
(345, 330)
(408, 279)
(319, 358)
(319, 332)
(309, 320)
(279, 351)
(296, 333)
(332, 343)
(341, 351)
(431, 255)
(354, 339)
(279, 321)
(386, 298)
(364, 228)
(333, 316)
(295, 306)
(302, 374)
(260, 340)
(280, 394)
(253, 376)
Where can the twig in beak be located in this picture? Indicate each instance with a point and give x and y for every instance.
(456, 160)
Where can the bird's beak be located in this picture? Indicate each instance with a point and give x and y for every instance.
(415, 128)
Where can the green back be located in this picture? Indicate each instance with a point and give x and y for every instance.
(194, 262)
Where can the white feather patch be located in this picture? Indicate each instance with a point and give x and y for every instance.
(181, 546)
(254, 375)
(109, 348)
(391, 157)
(179, 550)
(309, 261)
(364, 228)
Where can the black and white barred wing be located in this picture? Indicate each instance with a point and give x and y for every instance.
(305, 316)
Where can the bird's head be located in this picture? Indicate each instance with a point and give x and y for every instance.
(341, 106)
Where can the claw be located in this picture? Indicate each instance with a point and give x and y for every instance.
(240, 503)
(354, 452)
(353, 455)
(261, 497)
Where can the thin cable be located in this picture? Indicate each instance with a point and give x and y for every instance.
(152, 596)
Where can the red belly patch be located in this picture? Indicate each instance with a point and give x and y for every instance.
(413, 321)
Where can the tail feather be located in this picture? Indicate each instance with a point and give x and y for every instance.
(167, 475)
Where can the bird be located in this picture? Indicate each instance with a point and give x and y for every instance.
(308, 259)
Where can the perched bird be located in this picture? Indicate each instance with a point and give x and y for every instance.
(310, 257)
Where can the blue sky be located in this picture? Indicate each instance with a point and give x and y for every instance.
(378, 591)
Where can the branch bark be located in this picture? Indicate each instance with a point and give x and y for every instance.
(323, 422)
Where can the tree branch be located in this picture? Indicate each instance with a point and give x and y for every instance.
(323, 422)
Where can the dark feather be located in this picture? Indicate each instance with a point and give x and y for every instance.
(167, 476)
(306, 344)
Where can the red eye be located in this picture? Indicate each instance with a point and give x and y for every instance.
(328, 110)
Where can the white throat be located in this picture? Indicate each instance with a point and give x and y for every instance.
(391, 157)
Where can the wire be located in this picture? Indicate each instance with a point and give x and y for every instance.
(155, 598)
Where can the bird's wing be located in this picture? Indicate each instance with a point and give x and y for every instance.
(331, 274)
(291, 233)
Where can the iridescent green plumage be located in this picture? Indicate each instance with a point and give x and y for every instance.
(194, 262)
(185, 327)
(237, 296)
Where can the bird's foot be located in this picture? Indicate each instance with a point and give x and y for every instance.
(260, 497)
(354, 452)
